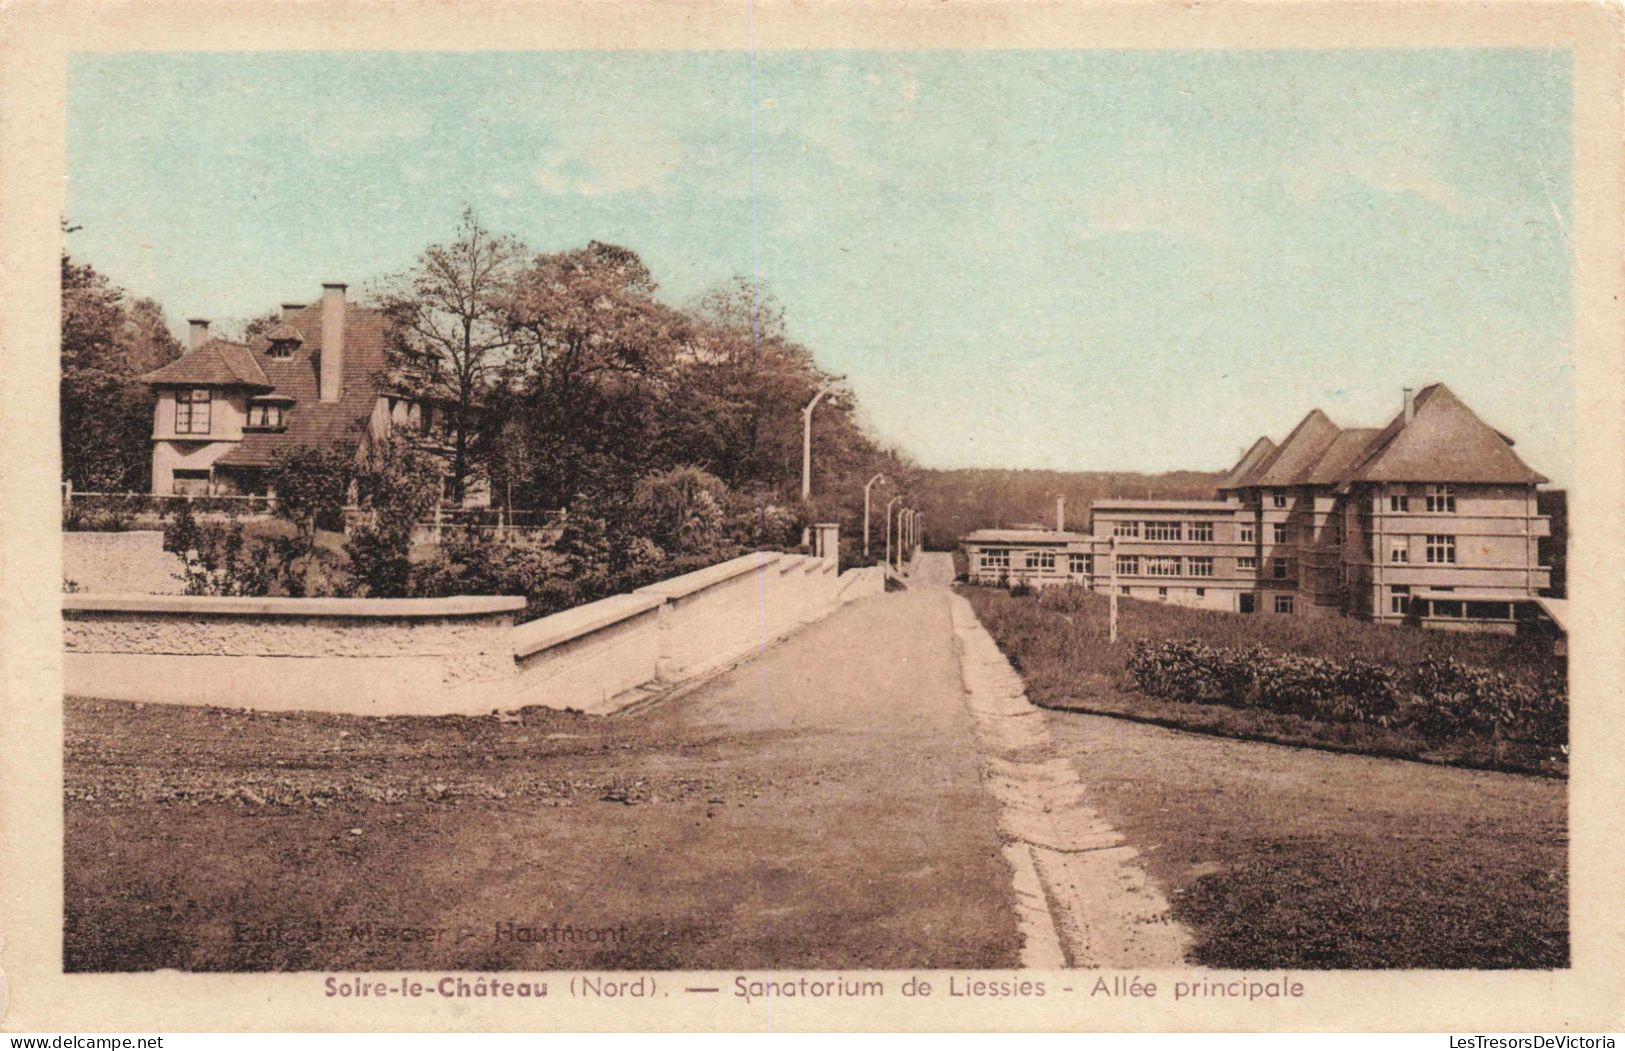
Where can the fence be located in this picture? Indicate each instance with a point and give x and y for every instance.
(113, 512)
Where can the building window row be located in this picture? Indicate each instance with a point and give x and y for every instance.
(1439, 499)
(1201, 532)
(1441, 549)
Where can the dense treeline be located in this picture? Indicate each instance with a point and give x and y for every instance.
(955, 502)
(108, 342)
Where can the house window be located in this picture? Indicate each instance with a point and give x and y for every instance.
(1162, 531)
(1126, 529)
(1279, 567)
(1283, 603)
(281, 348)
(1399, 551)
(192, 411)
(1128, 565)
(1399, 599)
(1281, 534)
(1200, 566)
(1399, 503)
(265, 415)
(1249, 534)
(1162, 592)
(1123, 589)
(1162, 565)
(995, 560)
(1201, 592)
(1042, 560)
(1441, 549)
(1278, 499)
(190, 481)
(1077, 565)
(1441, 500)
(1202, 531)
(1247, 563)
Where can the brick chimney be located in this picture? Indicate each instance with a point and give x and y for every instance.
(199, 330)
(1410, 404)
(1060, 514)
(331, 383)
(290, 309)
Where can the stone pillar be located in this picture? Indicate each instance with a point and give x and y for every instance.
(827, 542)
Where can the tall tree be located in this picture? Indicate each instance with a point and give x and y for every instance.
(590, 381)
(108, 343)
(449, 311)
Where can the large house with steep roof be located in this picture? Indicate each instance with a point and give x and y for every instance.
(320, 378)
(1432, 518)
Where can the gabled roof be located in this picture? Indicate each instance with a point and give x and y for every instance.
(1347, 449)
(311, 421)
(1444, 441)
(213, 363)
(1249, 459)
(1303, 448)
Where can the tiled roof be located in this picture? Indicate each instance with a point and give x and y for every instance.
(1444, 441)
(214, 363)
(1303, 448)
(1250, 459)
(311, 421)
(1347, 449)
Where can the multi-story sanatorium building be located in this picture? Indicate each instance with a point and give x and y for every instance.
(1432, 518)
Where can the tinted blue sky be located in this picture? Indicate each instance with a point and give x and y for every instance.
(1042, 259)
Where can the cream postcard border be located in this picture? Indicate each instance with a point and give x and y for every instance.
(36, 40)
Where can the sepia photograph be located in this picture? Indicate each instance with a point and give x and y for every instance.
(1048, 516)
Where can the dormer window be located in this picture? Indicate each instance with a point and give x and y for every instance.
(285, 339)
(266, 416)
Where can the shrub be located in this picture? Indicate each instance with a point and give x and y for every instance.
(1438, 698)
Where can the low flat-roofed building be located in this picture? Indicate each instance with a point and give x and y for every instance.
(1037, 557)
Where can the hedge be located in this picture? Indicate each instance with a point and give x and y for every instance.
(1437, 697)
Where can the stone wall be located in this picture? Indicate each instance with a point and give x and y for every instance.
(606, 655)
(366, 656)
(445, 656)
(121, 563)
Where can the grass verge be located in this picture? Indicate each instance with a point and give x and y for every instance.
(1057, 640)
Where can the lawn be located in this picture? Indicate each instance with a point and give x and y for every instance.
(1296, 858)
(1058, 640)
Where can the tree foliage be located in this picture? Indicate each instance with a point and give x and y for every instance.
(449, 312)
(108, 343)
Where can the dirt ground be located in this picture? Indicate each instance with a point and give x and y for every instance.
(1289, 857)
(818, 807)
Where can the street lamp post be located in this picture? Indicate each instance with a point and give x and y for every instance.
(903, 517)
(866, 487)
(806, 437)
(888, 525)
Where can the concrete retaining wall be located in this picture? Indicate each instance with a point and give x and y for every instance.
(612, 653)
(367, 656)
(444, 656)
(121, 563)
